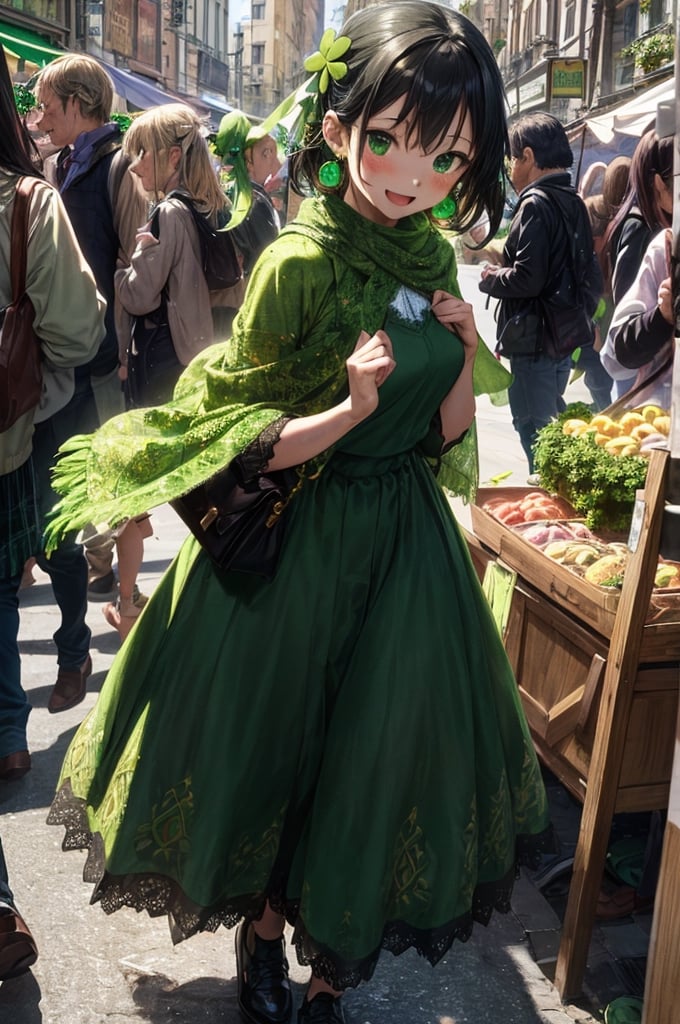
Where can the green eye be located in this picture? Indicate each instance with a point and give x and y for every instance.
(378, 143)
(444, 162)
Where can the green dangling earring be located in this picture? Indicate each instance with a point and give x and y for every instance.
(445, 209)
(330, 174)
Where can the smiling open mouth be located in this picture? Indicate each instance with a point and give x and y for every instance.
(397, 199)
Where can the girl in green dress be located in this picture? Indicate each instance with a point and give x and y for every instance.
(341, 747)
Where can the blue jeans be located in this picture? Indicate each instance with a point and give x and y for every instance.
(67, 566)
(536, 396)
(596, 378)
(14, 705)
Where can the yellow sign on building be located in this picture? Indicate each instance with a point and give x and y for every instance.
(568, 78)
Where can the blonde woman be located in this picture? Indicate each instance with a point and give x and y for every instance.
(169, 154)
(164, 289)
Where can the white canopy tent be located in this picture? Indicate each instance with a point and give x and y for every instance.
(617, 131)
(633, 117)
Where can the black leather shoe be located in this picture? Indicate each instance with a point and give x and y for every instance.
(322, 1009)
(264, 995)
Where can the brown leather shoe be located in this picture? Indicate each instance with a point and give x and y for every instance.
(620, 902)
(18, 950)
(70, 687)
(13, 766)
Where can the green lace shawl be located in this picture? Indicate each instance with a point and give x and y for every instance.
(329, 274)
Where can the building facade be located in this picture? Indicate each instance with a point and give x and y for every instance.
(274, 40)
(572, 57)
(184, 47)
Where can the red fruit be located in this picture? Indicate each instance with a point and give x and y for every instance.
(501, 508)
(534, 514)
(514, 518)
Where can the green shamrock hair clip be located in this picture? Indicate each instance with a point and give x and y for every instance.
(326, 59)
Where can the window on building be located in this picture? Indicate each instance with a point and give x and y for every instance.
(257, 12)
(538, 31)
(657, 13)
(258, 53)
(625, 30)
(527, 27)
(570, 19)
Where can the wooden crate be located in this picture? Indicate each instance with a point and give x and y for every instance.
(559, 664)
(594, 606)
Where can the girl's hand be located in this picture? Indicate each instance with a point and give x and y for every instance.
(456, 315)
(665, 300)
(368, 368)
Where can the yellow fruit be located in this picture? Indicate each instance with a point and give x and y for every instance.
(650, 412)
(630, 420)
(608, 567)
(586, 557)
(642, 431)
(630, 449)
(572, 426)
(665, 575)
(601, 439)
(617, 444)
(587, 428)
(662, 424)
(557, 549)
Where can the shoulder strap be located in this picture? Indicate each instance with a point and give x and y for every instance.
(19, 235)
(200, 220)
(183, 198)
(571, 238)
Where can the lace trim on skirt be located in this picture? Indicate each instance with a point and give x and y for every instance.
(159, 895)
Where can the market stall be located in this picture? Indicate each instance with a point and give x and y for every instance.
(591, 625)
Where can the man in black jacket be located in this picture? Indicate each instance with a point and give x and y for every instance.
(550, 283)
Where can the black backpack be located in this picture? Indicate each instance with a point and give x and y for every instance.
(568, 307)
(220, 259)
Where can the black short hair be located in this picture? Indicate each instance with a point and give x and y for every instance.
(440, 63)
(545, 136)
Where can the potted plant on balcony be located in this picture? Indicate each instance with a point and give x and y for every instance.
(650, 52)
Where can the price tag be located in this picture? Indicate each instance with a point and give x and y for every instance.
(636, 524)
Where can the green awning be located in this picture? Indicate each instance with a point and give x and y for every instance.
(27, 45)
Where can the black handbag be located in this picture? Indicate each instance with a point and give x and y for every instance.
(153, 368)
(241, 526)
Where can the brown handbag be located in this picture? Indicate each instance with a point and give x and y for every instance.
(20, 353)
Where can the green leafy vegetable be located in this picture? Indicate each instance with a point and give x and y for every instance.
(600, 486)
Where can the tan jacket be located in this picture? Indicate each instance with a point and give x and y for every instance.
(174, 257)
(69, 311)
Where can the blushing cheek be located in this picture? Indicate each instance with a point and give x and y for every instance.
(438, 186)
(374, 164)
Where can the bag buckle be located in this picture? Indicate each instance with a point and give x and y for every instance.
(210, 517)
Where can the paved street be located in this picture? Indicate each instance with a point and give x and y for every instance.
(93, 968)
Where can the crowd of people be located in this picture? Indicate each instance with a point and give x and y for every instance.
(563, 306)
(345, 351)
